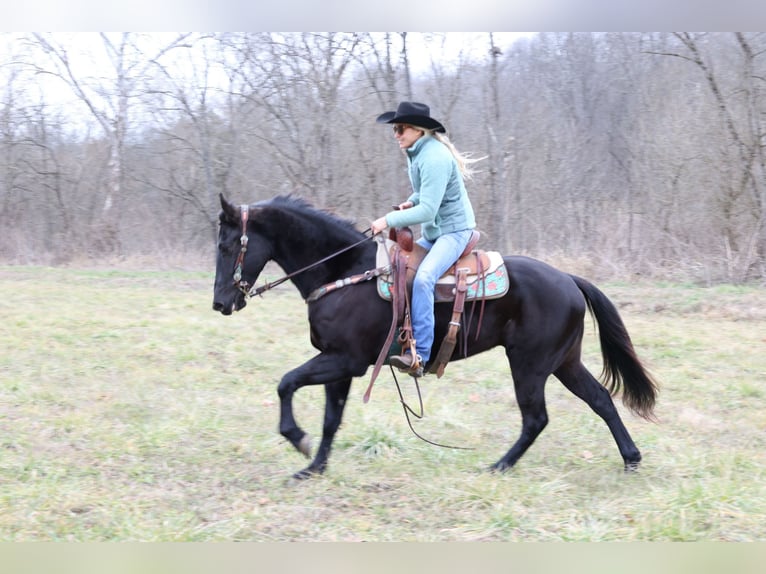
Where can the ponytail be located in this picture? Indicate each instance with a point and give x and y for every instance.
(463, 160)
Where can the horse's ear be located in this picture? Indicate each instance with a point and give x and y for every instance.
(230, 211)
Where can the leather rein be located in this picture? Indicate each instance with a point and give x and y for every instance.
(251, 290)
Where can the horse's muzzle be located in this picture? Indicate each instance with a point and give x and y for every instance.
(220, 307)
(224, 309)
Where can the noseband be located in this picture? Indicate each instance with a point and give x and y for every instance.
(251, 290)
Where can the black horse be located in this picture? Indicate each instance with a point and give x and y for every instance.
(539, 323)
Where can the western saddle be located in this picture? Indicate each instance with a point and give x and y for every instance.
(404, 256)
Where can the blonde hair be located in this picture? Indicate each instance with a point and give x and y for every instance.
(463, 160)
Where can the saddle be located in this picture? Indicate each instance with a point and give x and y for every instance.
(476, 275)
(486, 276)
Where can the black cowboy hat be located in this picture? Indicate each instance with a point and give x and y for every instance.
(413, 113)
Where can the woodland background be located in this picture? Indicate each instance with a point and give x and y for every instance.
(626, 153)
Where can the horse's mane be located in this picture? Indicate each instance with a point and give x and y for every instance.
(307, 220)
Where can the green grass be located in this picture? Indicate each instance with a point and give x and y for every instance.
(130, 411)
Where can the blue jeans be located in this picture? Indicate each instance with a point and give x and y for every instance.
(442, 253)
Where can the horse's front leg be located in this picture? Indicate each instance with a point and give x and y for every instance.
(335, 374)
(335, 401)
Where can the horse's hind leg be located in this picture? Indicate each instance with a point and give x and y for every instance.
(584, 385)
(530, 396)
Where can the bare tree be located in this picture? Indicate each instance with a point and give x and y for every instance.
(109, 105)
(598, 150)
(737, 87)
(193, 157)
(291, 90)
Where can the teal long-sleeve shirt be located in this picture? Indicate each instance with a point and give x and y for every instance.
(440, 200)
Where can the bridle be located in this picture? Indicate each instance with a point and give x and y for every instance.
(251, 290)
(244, 213)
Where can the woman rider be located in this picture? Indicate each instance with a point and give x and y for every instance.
(440, 204)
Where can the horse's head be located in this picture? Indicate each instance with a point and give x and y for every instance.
(242, 254)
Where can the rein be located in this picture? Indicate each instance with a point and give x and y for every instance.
(251, 291)
(409, 410)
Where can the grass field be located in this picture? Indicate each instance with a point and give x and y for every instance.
(129, 411)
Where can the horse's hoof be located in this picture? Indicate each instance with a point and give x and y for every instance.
(304, 474)
(632, 466)
(499, 467)
(304, 446)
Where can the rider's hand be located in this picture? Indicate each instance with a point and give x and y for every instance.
(378, 225)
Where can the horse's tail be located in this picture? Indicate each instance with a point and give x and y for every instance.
(622, 368)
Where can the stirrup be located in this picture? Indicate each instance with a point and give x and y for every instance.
(406, 363)
(417, 373)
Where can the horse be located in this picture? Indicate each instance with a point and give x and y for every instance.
(539, 322)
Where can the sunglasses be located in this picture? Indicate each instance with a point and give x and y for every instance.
(400, 128)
